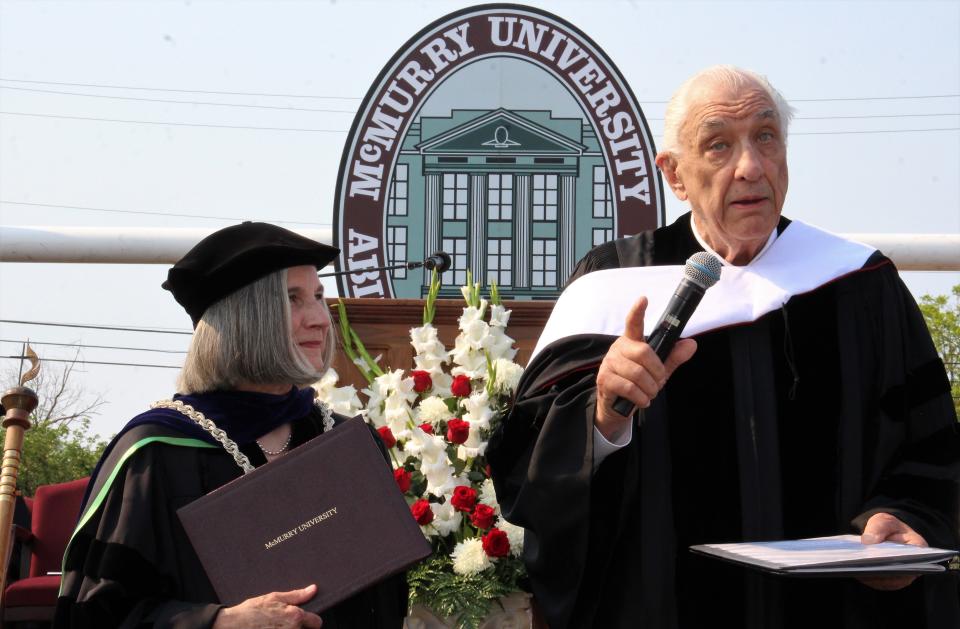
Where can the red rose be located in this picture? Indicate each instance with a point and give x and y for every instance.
(422, 512)
(483, 516)
(496, 543)
(386, 435)
(427, 427)
(421, 380)
(402, 477)
(460, 386)
(457, 431)
(464, 498)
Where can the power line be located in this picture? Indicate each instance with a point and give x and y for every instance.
(180, 102)
(861, 117)
(147, 213)
(792, 133)
(83, 346)
(354, 111)
(96, 362)
(172, 124)
(99, 327)
(874, 116)
(164, 89)
(848, 98)
(213, 126)
(651, 102)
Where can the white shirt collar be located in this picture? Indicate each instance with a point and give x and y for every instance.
(708, 249)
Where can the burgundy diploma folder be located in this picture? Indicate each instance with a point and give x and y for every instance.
(329, 512)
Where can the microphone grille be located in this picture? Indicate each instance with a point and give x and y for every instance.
(703, 269)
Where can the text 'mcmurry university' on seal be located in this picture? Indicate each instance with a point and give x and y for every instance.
(504, 136)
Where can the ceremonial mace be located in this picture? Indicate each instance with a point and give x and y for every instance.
(19, 402)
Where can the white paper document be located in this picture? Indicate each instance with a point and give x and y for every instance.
(831, 556)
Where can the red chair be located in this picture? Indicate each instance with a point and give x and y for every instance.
(55, 511)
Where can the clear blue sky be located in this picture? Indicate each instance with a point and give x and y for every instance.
(874, 148)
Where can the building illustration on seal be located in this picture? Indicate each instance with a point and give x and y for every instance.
(502, 136)
(516, 197)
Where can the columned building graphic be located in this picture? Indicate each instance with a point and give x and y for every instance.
(514, 196)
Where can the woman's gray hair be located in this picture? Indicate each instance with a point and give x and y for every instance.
(246, 338)
(724, 76)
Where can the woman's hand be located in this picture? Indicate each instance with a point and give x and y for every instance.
(276, 610)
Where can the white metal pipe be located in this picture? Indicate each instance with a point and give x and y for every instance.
(109, 245)
(165, 245)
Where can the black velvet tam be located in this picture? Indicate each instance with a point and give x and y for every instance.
(233, 257)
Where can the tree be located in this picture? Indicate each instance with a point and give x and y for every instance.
(943, 320)
(58, 447)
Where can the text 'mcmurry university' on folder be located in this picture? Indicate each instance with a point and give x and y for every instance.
(329, 512)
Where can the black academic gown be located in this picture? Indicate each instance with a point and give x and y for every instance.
(803, 423)
(132, 565)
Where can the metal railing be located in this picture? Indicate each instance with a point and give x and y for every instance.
(165, 245)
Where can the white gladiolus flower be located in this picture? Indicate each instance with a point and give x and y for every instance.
(499, 316)
(499, 345)
(439, 475)
(476, 333)
(342, 400)
(446, 519)
(469, 557)
(477, 409)
(514, 535)
(469, 360)
(488, 496)
(434, 410)
(430, 449)
(441, 384)
(431, 355)
(478, 415)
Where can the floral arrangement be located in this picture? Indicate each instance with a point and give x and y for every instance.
(435, 421)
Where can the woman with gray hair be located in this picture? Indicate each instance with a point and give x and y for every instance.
(262, 334)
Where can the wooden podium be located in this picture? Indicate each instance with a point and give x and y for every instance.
(384, 327)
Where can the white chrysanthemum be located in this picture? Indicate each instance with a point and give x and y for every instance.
(342, 400)
(508, 375)
(514, 535)
(433, 410)
(488, 496)
(469, 557)
(446, 519)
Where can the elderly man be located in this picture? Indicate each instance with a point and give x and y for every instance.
(822, 410)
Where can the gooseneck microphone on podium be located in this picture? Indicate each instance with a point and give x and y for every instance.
(701, 271)
(439, 261)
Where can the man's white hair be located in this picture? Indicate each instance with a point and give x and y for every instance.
(724, 76)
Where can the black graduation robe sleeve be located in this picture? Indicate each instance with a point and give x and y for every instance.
(131, 564)
(918, 437)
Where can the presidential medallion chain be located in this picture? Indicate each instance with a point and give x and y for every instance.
(207, 424)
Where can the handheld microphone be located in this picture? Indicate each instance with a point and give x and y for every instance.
(701, 271)
(440, 260)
